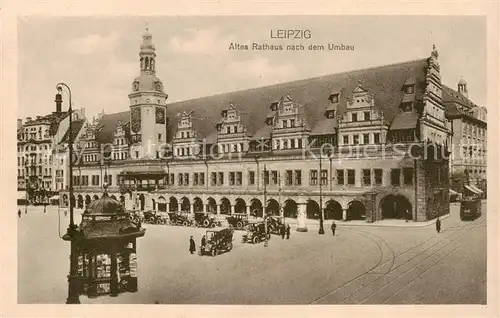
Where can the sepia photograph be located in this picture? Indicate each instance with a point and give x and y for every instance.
(252, 160)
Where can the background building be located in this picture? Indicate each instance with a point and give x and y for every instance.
(241, 151)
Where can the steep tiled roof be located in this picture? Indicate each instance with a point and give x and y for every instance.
(451, 95)
(405, 120)
(107, 125)
(385, 83)
(455, 101)
(76, 126)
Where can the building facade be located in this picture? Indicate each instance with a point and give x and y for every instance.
(365, 145)
(469, 128)
(41, 157)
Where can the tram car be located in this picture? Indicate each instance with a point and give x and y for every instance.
(218, 241)
(470, 205)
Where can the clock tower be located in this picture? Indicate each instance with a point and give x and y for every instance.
(147, 105)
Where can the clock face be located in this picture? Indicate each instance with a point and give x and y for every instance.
(135, 120)
(135, 86)
(160, 115)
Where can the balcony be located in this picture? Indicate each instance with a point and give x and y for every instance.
(141, 187)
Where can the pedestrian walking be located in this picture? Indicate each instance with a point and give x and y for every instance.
(192, 245)
(288, 231)
(19, 212)
(438, 225)
(283, 232)
(203, 243)
(334, 226)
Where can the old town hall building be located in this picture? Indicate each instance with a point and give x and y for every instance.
(363, 145)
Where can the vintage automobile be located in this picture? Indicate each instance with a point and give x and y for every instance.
(180, 218)
(238, 220)
(275, 224)
(218, 241)
(203, 219)
(256, 233)
(154, 217)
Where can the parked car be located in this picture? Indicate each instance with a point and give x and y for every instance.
(154, 217)
(203, 219)
(238, 220)
(256, 233)
(275, 224)
(180, 218)
(218, 241)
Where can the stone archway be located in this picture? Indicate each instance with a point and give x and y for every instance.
(162, 204)
(273, 207)
(174, 204)
(211, 205)
(240, 206)
(256, 208)
(290, 210)
(80, 202)
(396, 206)
(87, 200)
(333, 210)
(197, 205)
(185, 205)
(225, 206)
(356, 210)
(312, 210)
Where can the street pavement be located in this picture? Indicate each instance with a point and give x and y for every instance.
(359, 265)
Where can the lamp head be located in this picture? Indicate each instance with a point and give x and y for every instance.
(59, 89)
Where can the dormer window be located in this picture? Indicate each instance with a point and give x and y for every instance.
(409, 89)
(406, 107)
(334, 98)
(274, 106)
(224, 114)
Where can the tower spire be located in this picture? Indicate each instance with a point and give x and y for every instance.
(147, 53)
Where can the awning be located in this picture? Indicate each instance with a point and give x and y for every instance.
(21, 195)
(55, 197)
(453, 192)
(468, 187)
(476, 189)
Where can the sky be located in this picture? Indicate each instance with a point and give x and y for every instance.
(98, 56)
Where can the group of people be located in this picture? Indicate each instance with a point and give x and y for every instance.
(192, 244)
(285, 230)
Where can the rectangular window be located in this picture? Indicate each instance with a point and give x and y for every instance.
(351, 176)
(367, 116)
(180, 179)
(110, 180)
(378, 176)
(251, 177)
(366, 177)
(231, 178)
(346, 140)
(266, 177)
(354, 117)
(159, 137)
(298, 177)
(366, 139)
(324, 177)
(221, 178)
(408, 176)
(395, 177)
(292, 123)
(376, 138)
(195, 178)
(274, 174)
(313, 177)
(285, 123)
(213, 178)
(239, 178)
(340, 176)
(172, 179)
(289, 177)
(355, 139)
(201, 179)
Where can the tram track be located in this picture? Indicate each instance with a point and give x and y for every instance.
(452, 237)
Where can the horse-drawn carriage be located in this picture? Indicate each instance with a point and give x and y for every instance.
(256, 233)
(202, 219)
(218, 241)
(238, 220)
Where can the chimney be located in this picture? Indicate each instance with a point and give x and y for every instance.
(58, 101)
(38, 117)
(19, 123)
(28, 119)
(462, 87)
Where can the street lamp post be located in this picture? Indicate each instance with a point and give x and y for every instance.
(71, 233)
(264, 212)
